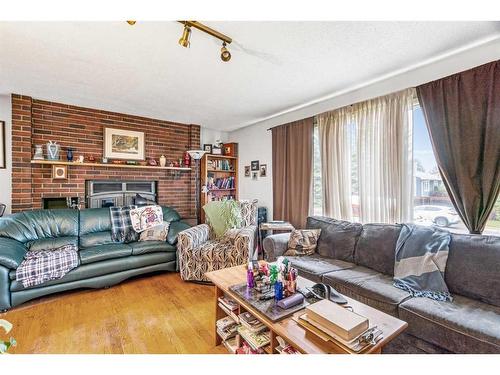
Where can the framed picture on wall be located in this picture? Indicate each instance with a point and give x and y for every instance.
(207, 148)
(247, 171)
(255, 176)
(123, 144)
(3, 163)
(255, 165)
(263, 170)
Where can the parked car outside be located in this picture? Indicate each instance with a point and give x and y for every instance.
(442, 216)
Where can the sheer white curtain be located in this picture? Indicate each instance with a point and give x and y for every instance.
(385, 157)
(335, 152)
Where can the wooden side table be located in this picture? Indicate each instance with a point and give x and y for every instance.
(281, 226)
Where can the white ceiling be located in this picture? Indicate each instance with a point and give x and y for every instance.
(275, 66)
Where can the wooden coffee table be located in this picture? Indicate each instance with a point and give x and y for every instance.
(297, 336)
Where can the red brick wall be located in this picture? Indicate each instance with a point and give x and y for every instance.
(37, 121)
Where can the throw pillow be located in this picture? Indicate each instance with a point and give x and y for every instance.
(158, 233)
(223, 215)
(303, 242)
(146, 217)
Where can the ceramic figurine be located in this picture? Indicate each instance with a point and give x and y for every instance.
(91, 158)
(38, 152)
(53, 150)
(163, 161)
(69, 154)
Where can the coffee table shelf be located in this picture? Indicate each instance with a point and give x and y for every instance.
(287, 328)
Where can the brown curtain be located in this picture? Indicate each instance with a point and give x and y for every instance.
(462, 113)
(292, 171)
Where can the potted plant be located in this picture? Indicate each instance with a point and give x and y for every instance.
(5, 345)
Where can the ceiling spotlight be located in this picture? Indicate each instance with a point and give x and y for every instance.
(131, 23)
(186, 34)
(225, 55)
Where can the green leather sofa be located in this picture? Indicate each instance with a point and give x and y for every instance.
(102, 262)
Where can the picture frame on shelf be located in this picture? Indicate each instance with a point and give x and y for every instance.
(247, 171)
(207, 148)
(124, 144)
(255, 165)
(216, 150)
(3, 161)
(263, 170)
(59, 172)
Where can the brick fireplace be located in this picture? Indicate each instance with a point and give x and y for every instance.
(37, 121)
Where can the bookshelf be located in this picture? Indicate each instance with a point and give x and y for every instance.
(220, 174)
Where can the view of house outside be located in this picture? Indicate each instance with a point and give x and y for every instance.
(432, 205)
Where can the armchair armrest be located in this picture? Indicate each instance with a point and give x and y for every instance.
(245, 241)
(275, 245)
(193, 237)
(12, 252)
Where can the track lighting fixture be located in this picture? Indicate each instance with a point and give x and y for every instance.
(186, 34)
(225, 55)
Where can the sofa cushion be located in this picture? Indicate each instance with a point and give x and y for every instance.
(473, 267)
(338, 238)
(461, 326)
(51, 243)
(368, 286)
(34, 225)
(376, 247)
(314, 266)
(143, 247)
(102, 252)
(105, 267)
(175, 228)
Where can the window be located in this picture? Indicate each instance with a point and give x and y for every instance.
(432, 205)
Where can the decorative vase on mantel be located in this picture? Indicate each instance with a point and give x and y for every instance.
(69, 154)
(53, 150)
(163, 161)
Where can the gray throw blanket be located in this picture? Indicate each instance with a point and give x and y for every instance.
(44, 265)
(121, 225)
(421, 256)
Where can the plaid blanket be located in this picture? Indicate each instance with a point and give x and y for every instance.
(121, 225)
(44, 265)
(421, 256)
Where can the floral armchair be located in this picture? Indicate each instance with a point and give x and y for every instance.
(200, 252)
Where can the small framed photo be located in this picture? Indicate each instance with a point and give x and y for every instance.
(255, 165)
(263, 170)
(247, 171)
(207, 148)
(216, 150)
(3, 163)
(255, 176)
(59, 172)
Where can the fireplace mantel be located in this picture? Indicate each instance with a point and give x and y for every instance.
(107, 165)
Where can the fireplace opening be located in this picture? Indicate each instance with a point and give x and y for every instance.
(60, 202)
(105, 193)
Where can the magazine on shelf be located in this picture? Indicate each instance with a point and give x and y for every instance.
(229, 303)
(251, 322)
(225, 323)
(255, 340)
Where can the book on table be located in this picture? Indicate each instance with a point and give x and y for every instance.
(336, 320)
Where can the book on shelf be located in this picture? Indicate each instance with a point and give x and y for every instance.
(229, 303)
(250, 322)
(225, 329)
(219, 165)
(245, 348)
(336, 320)
(220, 182)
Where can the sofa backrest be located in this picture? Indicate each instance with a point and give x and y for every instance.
(473, 267)
(376, 247)
(41, 229)
(338, 238)
(95, 225)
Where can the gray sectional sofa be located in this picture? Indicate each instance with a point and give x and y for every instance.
(358, 260)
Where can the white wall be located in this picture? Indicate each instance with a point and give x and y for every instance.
(6, 174)
(255, 142)
(209, 136)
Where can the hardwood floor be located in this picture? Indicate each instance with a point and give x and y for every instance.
(152, 314)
